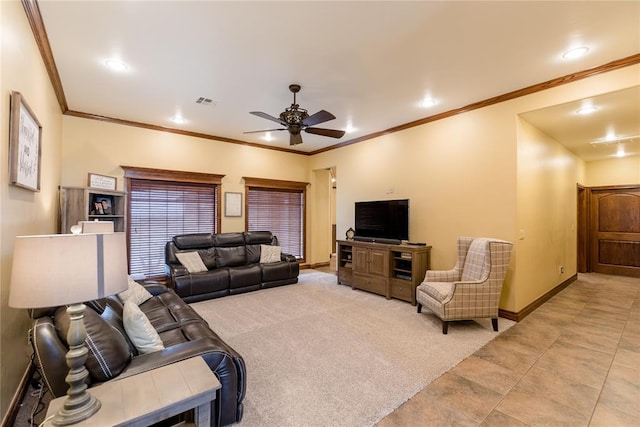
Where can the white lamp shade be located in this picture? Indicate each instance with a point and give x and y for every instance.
(54, 270)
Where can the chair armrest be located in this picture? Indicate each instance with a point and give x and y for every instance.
(442, 275)
(462, 290)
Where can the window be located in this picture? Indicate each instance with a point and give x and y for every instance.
(162, 204)
(279, 207)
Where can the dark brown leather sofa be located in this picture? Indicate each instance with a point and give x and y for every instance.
(233, 262)
(112, 355)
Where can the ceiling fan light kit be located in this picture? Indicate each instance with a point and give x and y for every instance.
(296, 119)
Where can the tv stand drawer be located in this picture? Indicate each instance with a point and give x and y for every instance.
(377, 285)
(403, 290)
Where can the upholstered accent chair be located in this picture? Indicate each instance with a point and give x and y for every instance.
(472, 288)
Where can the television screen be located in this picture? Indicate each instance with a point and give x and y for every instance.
(383, 219)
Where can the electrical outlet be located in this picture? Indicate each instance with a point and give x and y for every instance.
(521, 234)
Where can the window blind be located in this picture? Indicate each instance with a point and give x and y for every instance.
(282, 213)
(159, 210)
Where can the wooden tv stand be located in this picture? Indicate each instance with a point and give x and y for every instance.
(393, 271)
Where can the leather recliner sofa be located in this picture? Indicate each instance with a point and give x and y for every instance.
(233, 265)
(112, 354)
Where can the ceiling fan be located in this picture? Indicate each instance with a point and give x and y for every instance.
(296, 119)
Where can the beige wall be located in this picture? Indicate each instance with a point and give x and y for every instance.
(460, 179)
(100, 147)
(547, 240)
(320, 216)
(622, 171)
(22, 211)
(463, 176)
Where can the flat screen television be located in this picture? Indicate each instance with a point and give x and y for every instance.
(382, 219)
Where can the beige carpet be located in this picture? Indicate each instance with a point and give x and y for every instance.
(322, 354)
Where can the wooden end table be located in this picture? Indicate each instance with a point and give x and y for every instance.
(153, 396)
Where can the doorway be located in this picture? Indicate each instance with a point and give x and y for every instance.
(609, 230)
(583, 229)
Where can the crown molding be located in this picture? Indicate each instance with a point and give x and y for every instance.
(42, 40)
(172, 130)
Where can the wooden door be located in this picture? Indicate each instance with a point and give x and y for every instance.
(615, 230)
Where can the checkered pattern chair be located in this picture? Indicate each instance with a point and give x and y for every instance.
(472, 289)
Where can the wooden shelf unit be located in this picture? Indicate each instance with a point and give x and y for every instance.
(76, 204)
(345, 263)
(393, 271)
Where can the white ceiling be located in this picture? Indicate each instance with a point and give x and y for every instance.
(370, 63)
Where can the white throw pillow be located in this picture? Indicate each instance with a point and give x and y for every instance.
(269, 254)
(139, 329)
(191, 261)
(136, 293)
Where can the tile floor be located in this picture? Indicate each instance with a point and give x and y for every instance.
(575, 361)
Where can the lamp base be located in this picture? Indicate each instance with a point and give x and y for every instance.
(72, 414)
(79, 404)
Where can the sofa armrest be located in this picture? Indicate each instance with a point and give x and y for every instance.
(288, 257)
(173, 271)
(169, 355)
(176, 270)
(154, 287)
(49, 354)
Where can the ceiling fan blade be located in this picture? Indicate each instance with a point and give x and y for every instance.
(333, 133)
(295, 139)
(317, 118)
(266, 130)
(268, 117)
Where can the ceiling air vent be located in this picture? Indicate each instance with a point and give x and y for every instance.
(205, 101)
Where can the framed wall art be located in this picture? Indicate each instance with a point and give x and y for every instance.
(25, 144)
(102, 181)
(101, 205)
(232, 204)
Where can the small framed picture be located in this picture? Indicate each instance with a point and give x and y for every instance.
(25, 144)
(102, 181)
(101, 205)
(232, 204)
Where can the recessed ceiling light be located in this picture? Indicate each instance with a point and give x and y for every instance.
(575, 52)
(428, 102)
(350, 128)
(267, 137)
(115, 65)
(586, 110)
(178, 120)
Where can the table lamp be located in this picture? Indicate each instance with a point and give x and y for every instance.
(66, 269)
